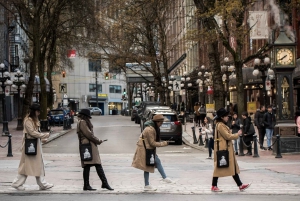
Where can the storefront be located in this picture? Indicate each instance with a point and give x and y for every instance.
(115, 106)
(101, 102)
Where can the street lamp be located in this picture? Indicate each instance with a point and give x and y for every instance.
(203, 79)
(262, 64)
(5, 80)
(228, 71)
(18, 83)
(170, 87)
(185, 79)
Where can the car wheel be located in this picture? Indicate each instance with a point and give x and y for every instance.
(99, 113)
(91, 113)
(179, 142)
(135, 120)
(132, 119)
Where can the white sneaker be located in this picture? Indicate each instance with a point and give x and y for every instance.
(209, 158)
(19, 188)
(149, 188)
(47, 186)
(167, 180)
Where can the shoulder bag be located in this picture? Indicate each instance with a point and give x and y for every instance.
(30, 145)
(86, 153)
(150, 154)
(222, 155)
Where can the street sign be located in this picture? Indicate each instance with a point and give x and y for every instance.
(6, 92)
(176, 85)
(63, 88)
(65, 96)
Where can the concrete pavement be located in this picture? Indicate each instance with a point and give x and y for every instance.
(192, 172)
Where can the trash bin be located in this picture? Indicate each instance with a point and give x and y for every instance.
(110, 112)
(114, 112)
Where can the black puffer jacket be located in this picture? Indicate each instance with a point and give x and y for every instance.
(269, 120)
(259, 119)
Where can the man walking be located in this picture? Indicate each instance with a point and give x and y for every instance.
(259, 122)
(269, 123)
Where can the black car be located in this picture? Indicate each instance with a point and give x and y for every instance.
(142, 109)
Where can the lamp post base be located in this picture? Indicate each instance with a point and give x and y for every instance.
(5, 131)
(20, 124)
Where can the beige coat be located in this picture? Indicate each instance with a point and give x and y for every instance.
(139, 159)
(32, 165)
(85, 135)
(225, 134)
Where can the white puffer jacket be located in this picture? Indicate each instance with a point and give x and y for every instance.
(207, 130)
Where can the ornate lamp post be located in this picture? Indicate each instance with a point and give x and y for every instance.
(203, 79)
(262, 64)
(185, 84)
(5, 81)
(18, 83)
(228, 70)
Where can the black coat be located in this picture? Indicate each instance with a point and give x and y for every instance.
(259, 119)
(236, 126)
(269, 120)
(248, 129)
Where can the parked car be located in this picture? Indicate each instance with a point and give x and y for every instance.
(95, 111)
(142, 107)
(147, 112)
(171, 127)
(57, 117)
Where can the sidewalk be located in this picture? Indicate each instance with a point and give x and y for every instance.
(16, 139)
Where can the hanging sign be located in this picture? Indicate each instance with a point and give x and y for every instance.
(259, 24)
(268, 85)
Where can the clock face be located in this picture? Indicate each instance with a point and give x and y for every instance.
(284, 56)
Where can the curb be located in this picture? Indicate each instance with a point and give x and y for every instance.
(195, 146)
(57, 135)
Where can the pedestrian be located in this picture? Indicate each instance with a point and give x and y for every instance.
(182, 107)
(85, 136)
(297, 121)
(269, 123)
(197, 114)
(235, 126)
(223, 141)
(202, 111)
(248, 132)
(32, 165)
(150, 139)
(259, 123)
(207, 130)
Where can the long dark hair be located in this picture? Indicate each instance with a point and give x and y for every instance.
(157, 130)
(33, 116)
(87, 120)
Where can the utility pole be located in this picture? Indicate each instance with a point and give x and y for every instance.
(96, 78)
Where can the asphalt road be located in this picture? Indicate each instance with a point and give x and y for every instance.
(146, 197)
(121, 133)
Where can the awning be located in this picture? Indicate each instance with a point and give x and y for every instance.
(115, 100)
(93, 100)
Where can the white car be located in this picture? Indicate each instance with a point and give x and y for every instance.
(95, 111)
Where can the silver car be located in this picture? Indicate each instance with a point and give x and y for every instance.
(95, 111)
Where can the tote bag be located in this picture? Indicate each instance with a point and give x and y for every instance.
(150, 155)
(30, 146)
(86, 152)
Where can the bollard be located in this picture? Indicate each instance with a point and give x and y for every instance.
(241, 146)
(278, 151)
(255, 146)
(200, 138)
(194, 135)
(9, 152)
(65, 124)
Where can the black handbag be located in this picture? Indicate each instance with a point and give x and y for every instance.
(222, 155)
(86, 152)
(30, 146)
(150, 155)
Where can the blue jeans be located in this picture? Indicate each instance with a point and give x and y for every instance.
(159, 168)
(236, 144)
(269, 134)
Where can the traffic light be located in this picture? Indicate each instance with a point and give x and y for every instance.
(107, 76)
(124, 92)
(64, 73)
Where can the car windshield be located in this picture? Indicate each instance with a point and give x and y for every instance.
(170, 118)
(56, 112)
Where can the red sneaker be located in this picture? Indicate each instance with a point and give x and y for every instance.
(215, 189)
(244, 186)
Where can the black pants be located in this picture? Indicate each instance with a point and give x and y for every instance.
(99, 170)
(249, 146)
(210, 146)
(262, 133)
(236, 178)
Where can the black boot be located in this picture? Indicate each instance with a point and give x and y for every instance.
(102, 176)
(86, 179)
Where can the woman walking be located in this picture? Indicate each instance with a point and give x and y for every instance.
(202, 111)
(150, 139)
(86, 136)
(32, 165)
(207, 130)
(235, 126)
(223, 138)
(197, 114)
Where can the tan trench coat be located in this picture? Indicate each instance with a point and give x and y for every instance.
(85, 135)
(139, 159)
(225, 134)
(32, 165)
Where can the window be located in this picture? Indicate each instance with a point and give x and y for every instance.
(95, 65)
(92, 88)
(115, 89)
